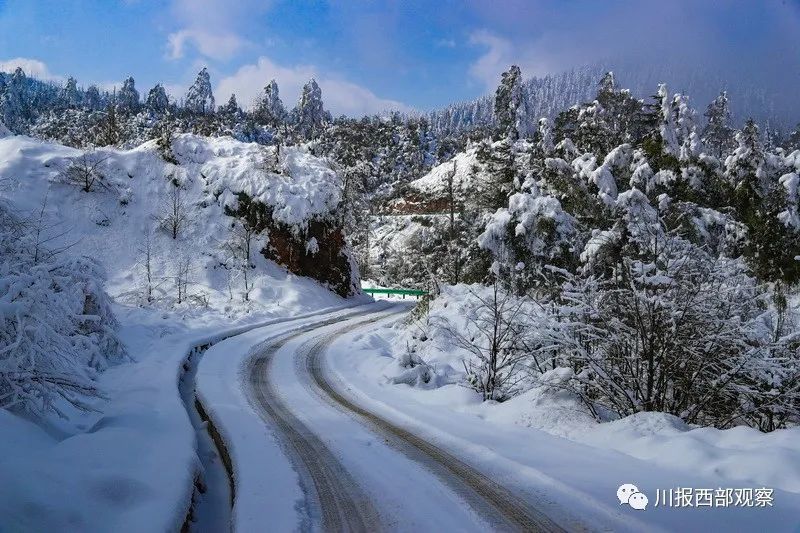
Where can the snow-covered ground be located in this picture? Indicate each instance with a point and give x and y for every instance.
(434, 183)
(546, 445)
(133, 193)
(130, 465)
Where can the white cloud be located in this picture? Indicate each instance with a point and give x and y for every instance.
(213, 45)
(487, 68)
(32, 67)
(501, 53)
(212, 27)
(340, 96)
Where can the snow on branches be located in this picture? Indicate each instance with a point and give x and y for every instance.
(57, 329)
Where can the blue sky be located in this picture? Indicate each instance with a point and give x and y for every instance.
(373, 55)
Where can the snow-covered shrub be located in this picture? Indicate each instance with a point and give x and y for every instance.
(57, 329)
(416, 372)
(534, 230)
(674, 330)
(473, 334)
(85, 171)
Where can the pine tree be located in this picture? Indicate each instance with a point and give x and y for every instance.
(689, 146)
(507, 103)
(70, 97)
(231, 108)
(269, 108)
(610, 120)
(309, 115)
(200, 98)
(92, 99)
(165, 131)
(157, 101)
(744, 169)
(500, 171)
(793, 140)
(15, 106)
(230, 115)
(128, 97)
(759, 200)
(717, 135)
(110, 132)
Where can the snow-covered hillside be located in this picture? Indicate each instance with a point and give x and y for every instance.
(462, 169)
(137, 194)
(165, 237)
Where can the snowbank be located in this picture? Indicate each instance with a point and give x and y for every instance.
(739, 454)
(305, 189)
(543, 443)
(130, 466)
(742, 455)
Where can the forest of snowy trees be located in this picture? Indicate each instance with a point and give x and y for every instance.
(645, 255)
(646, 250)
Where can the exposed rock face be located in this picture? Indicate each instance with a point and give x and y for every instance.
(318, 251)
(330, 263)
(418, 204)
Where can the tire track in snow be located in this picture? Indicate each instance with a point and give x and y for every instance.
(337, 501)
(505, 510)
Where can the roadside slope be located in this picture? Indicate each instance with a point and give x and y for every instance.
(573, 476)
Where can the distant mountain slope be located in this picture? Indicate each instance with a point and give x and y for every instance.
(548, 95)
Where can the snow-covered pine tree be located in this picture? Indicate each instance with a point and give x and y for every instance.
(15, 107)
(231, 109)
(532, 233)
(200, 98)
(309, 115)
(759, 199)
(109, 132)
(793, 140)
(229, 117)
(611, 119)
(92, 100)
(70, 97)
(689, 145)
(269, 108)
(745, 170)
(157, 102)
(498, 173)
(128, 97)
(717, 136)
(507, 104)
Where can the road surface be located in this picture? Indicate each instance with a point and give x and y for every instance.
(286, 383)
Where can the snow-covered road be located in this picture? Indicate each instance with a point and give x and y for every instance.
(318, 442)
(305, 457)
(501, 508)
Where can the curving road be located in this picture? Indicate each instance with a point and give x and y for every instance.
(338, 500)
(334, 489)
